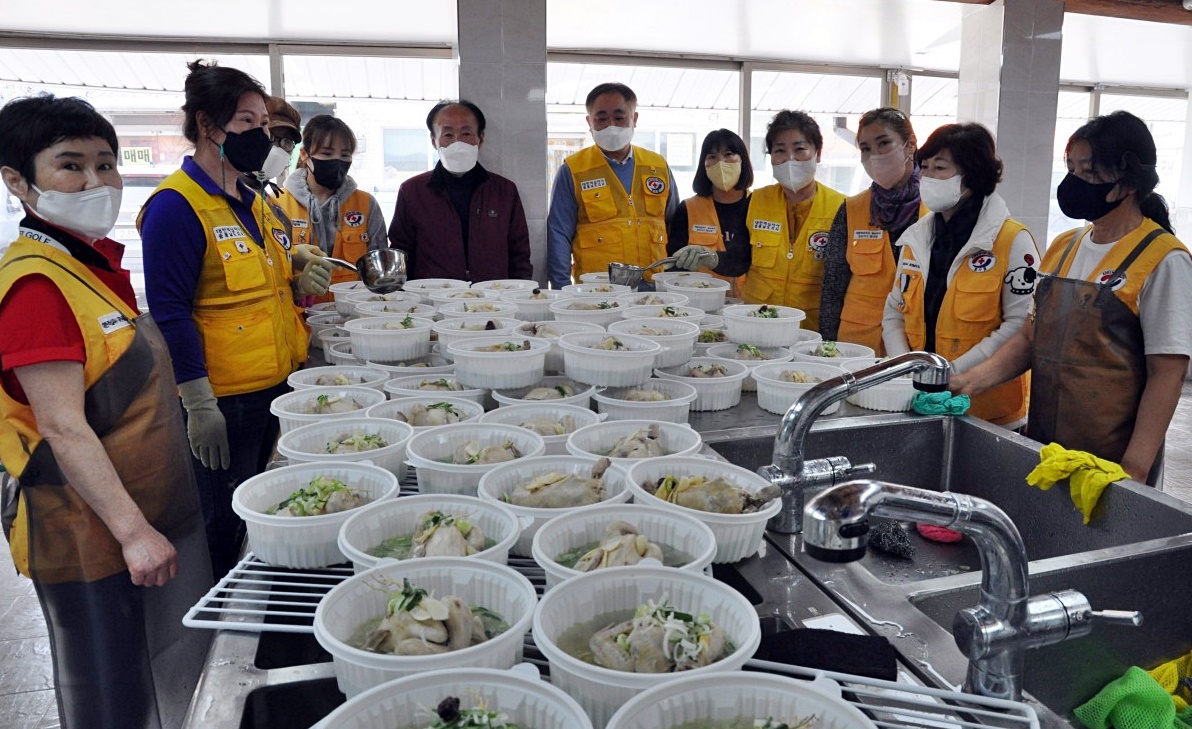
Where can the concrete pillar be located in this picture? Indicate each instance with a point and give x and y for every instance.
(1009, 81)
(501, 50)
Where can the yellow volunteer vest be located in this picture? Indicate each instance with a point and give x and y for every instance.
(971, 310)
(253, 336)
(703, 229)
(351, 242)
(615, 225)
(788, 269)
(1142, 267)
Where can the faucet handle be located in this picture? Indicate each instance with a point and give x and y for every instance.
(1117, 617)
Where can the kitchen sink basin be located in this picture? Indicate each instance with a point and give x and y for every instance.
(1064, 675)
(970, 456)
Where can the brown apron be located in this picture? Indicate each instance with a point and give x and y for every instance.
(1088, 366)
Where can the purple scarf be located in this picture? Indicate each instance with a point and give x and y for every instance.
(895, 209)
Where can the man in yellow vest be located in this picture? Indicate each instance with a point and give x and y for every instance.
(609, 202)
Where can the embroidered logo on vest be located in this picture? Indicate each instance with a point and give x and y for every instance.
(593, 184)
(282, 239)
(354, 218)
(1107, 274)
(655, 185)
(981, 261)
(818, 242)
(1021, 280)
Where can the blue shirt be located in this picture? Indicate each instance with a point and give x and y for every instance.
(564, 214)
(173, 244)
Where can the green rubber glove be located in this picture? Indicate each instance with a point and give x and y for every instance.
(315, 277)
(206, 428)
(692, 258)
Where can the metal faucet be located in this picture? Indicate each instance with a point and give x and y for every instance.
(995, 634)
(794, 475)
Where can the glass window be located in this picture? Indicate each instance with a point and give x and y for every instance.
(934, 103)
(1071, 112)
(1166, 118)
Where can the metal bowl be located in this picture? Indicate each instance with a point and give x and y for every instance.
(382, 270)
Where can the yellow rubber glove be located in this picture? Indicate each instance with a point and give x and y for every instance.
(1087, 475)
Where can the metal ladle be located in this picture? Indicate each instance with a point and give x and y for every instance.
(382, 271)
(626, 274)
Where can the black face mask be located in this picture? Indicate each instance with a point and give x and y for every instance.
(330, 173)
(247, 151)
(1082, 200)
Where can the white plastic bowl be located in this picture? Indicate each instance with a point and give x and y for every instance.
(470, 409)
(676, 409)
(594, 277)
(805, 352)
(553, 410)
(373, 377)
(503, 309)
(892, 396)
(717, 699)
(468, 327)
(582, 397)
(505, 285)
(683, 313)
(377, 338)
(729, 352)
(373, 524)
(666, 277)
(678, 342)
(400, 309)
(712, 393)
(324, 307)
(598, 290)
(498, 482)
(776, 396)
(601, 691)
(476, 368)
(400, 387)
(308, 444)
(357, 600)
(554, 357)
(534, 307)
(339, 292)
(782, 331)
(598, 440)
(563, 311)
(291, 407)
(303, 542)
(706, 294)
(339, 352)
(322, 322)
(434, 364)
(428, 450)
(652, 298)
(737, 535)
(473, 294)
(368, 297)
(664, 527)
(631, 366)
(425, 286)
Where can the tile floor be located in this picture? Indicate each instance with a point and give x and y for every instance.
(26, 678)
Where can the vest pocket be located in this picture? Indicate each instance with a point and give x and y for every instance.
(655, 203)
(978, 297)
(240, 345)
(353, 249)
(242, 269)
(765, 255)
(864, 257)
(598, 204)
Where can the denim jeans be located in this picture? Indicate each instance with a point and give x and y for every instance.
(252, 435)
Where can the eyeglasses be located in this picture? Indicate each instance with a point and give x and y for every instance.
(284, 142)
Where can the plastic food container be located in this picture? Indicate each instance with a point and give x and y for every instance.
(370, 525)
(805, 352)
(308, 444)
(373, 377)
(477, 368)
(892, 396)
(357, 600)
(428, 450)
(609, 368)
(712, 393)
(677, 339)
(322, 322)
(291, 408)
(483, 307)
(303, 542)
(432, 364)
(729, 352)
(688, 314)
(661, 280)
(601, 691)
(495, 484)
(449, 296)
(533, 306)
(598, 289)
(504, 285)
(781, 331)
(526, 698)
(368, 297)
(399, 309)
(554, 357)
(706, 294)
(716, 700)
(737, 535)
(664, 527)
(339, 353)
(425, 286)
(613, 402)
(320, 308)
(549, 410)
(594, 277)
(582, 397)
(400, 387)
(388, 338)
(565, 310)
(776, 396)
(652, 298)
(469, 409)
(469, 327)
(599, 439)
(339, 292)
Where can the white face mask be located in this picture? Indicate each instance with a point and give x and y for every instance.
(459, 157)
(793, 174)
(940, 195)
(613, 138)
(90, 213)
(886, 169)
(275, 164)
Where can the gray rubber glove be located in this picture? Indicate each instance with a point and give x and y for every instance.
(692, 258)
(302, 253)
(205, 426)
(315, 277)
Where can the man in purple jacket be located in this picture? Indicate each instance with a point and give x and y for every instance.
(459, 220)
